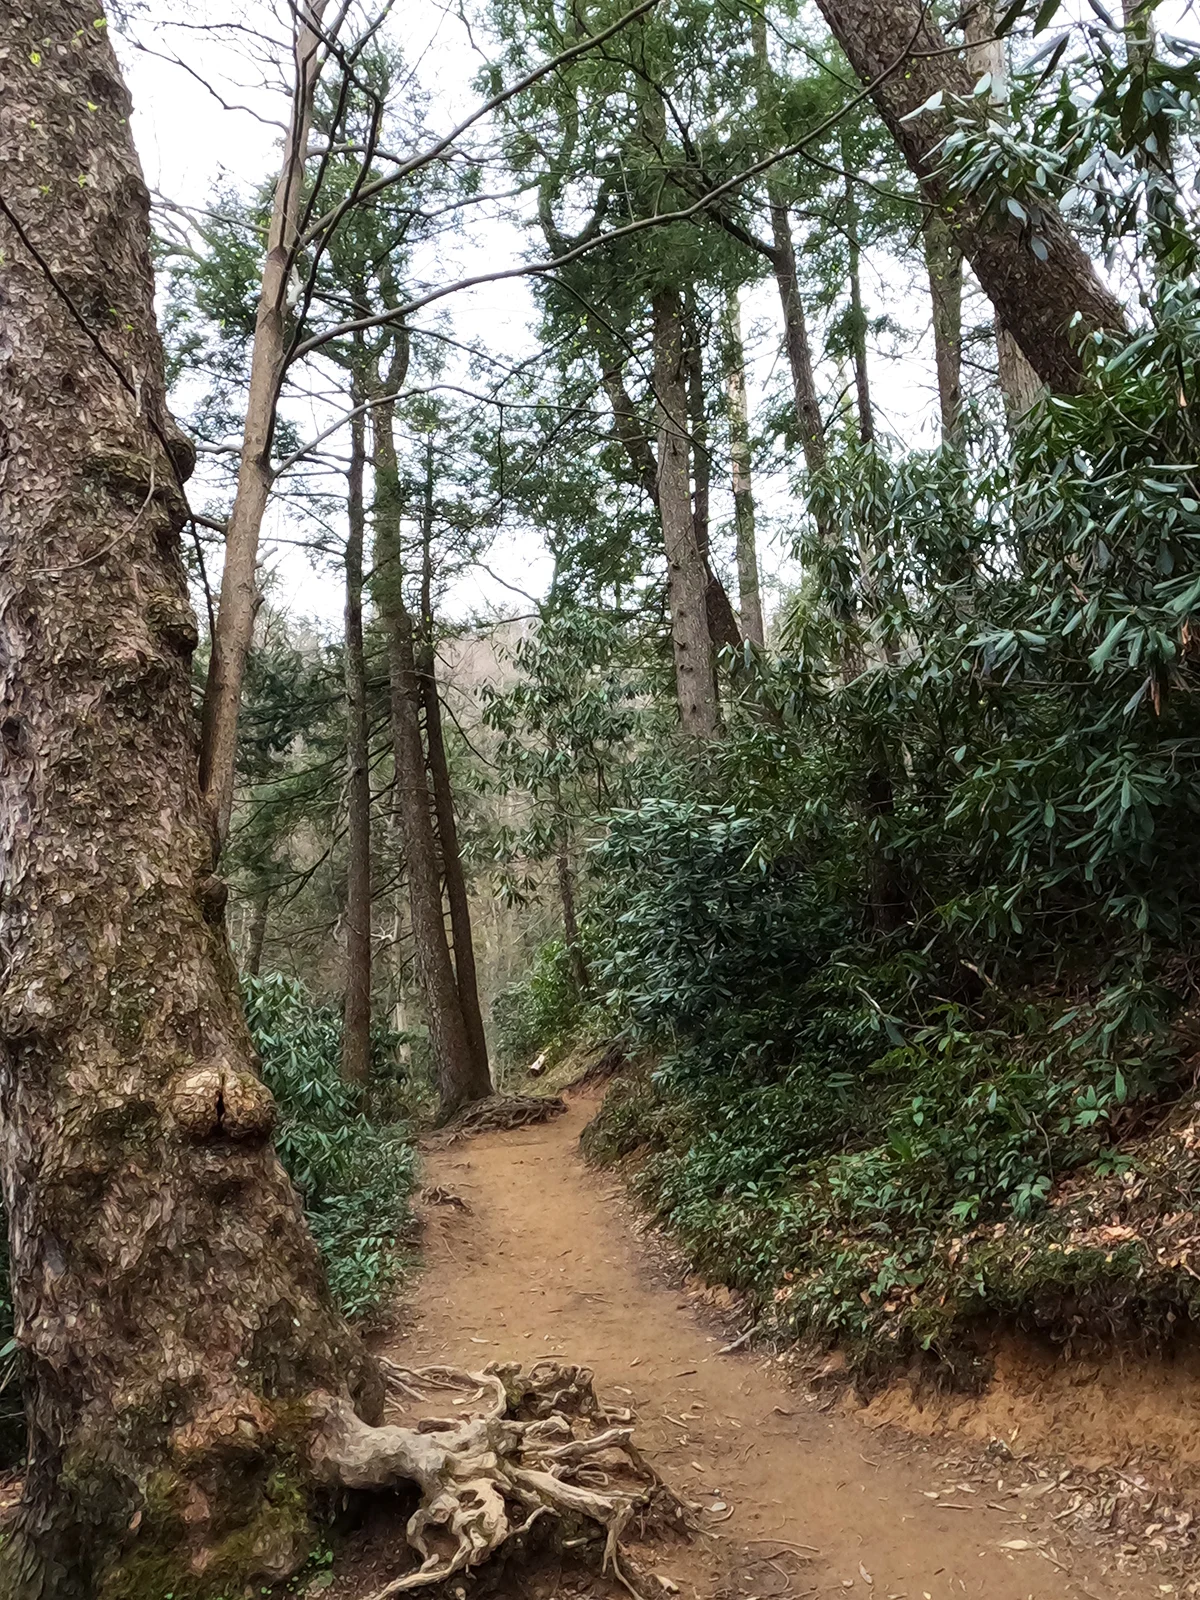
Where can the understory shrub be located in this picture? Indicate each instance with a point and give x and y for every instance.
(826, 1117)
(540, 1013)
(909, 943)
(355, 1176)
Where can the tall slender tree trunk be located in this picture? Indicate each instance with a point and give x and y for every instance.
(722, 624)
(566, 895)
(796, 341)
(566, 882)
(749, 596)
(783, 262)
(887, 899)
(858, 316)
(628, 429)
(455, 881)
(239, 587)
(687, 576)
(697, 422)
(901, 54)
(944, 264)
(356, 1030)
(168, 1299)
(459, 1079)
(259, 913)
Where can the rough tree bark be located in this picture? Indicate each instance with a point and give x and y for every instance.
(168, 1298)
(1020, 386)
(190, 1389)
(356, 1029)
(443, 802)
(687, 577)
(943, 262)
(899, 52)
(239, 587)
(749, 595)
(459, 1077)
(629, 431)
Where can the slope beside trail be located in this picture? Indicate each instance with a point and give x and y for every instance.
(803, 1502)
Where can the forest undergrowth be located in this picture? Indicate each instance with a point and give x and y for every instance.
(909, 964)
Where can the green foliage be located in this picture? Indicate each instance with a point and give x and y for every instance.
(540, 1013)
(989, 701)
(354, 1176)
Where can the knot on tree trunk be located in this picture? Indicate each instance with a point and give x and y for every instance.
(213, 894)
(237, 1427)
(218, 1101)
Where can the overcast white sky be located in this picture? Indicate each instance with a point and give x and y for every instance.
(205, 113)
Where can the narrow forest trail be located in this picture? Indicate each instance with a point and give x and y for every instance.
(544, 1264)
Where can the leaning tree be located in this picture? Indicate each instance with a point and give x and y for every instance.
(191, 1388)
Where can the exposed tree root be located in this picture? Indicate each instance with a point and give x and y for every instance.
(610, 1058)
(497, 1114)
(534, 1445)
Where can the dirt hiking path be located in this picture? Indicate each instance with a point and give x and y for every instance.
(544, 1264)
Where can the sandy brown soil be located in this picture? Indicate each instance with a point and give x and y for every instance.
(1096, 1413)
(802, 1501)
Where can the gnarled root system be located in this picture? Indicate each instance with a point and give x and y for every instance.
(521, 1446)
(499, 1113)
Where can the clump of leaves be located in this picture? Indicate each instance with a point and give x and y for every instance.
(542, 1012)
(355, 1176)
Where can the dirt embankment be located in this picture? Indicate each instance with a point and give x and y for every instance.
(1114, 1413)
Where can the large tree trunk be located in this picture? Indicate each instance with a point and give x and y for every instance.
(903, 57)
(168, 1299)
(190, 1389)
(459, 1078)
(356, 1030)
(687, 576)
(749, 595)
(1020, 386)
(239, 586)
(443, 803)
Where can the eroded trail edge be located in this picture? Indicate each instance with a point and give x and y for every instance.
(538, 1260)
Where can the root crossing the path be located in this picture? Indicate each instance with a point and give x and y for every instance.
(799, 1501)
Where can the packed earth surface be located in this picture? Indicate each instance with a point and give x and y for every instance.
(531, 1255)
